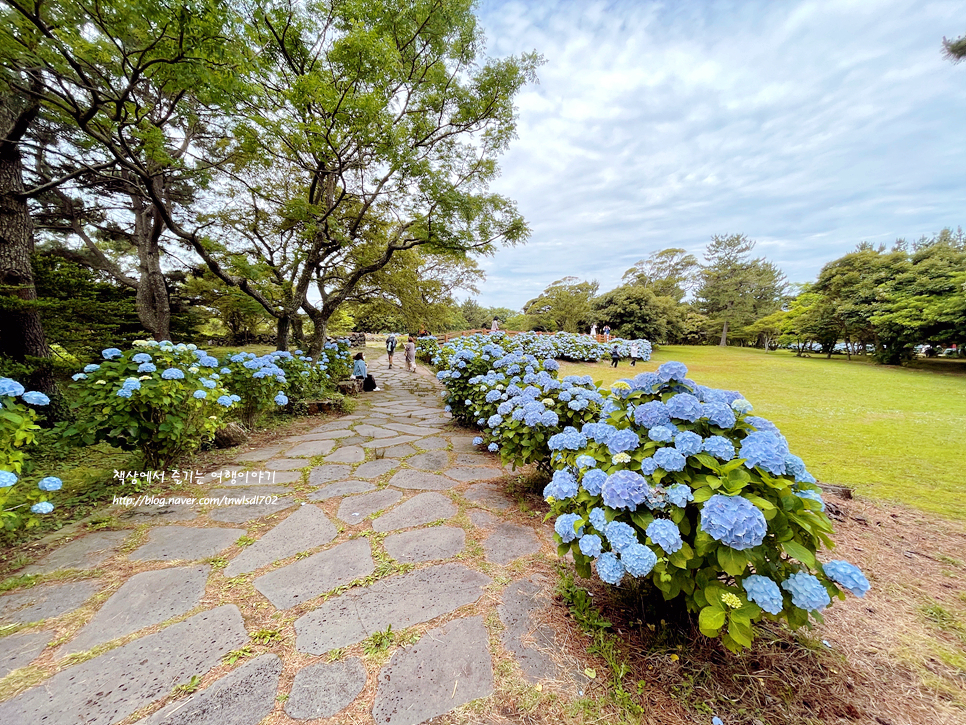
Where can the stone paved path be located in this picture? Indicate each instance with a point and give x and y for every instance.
(387, 579)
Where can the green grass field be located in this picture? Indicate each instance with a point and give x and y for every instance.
(893, 433)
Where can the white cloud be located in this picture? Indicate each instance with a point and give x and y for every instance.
(808, 126)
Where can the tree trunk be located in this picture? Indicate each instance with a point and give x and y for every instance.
(281, 332)
(320, 322)
(21, 332)
(724, 335)
(153, 303)
(298, 334)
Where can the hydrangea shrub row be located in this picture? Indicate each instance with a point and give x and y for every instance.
(20, 499)
(679, 485)
(560, 345)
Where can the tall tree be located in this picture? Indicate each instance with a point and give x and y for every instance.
(736, 289)
(566, 304)
(667, 272)
(955, 50)
(637, 312)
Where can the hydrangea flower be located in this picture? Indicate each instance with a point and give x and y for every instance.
(586, 461)
(661, 434)
(210, 384)
(172, 374)
(600, 432)
(590, 545)
(684, 406)
(624, 490)
(494, 420)
(764, 592)
(78, 376)
(795, 466)
(42, 507)
(669, 459)
(764, 450)
(807, 592)
(847, 576)
(620, 459)
(638, 560)
(679, 494)
(7, 479)
(564, 526)
(35, 398)
(225, 400)
(812, 495)
(623, 440)
(569, 440)
(493, 448)
(125, 393)
(719, 447)
(652, 414)
(688, 443)
(10, 387)
(620, 535)
(142, 357)
(111, 353)
(734, 521)
(50, 483)
(91, 368)
(666, 534)
(200, 394)
(719, 414)
(598, 518)
(741, 406)
(147, 367)
(672, 371)
(281, 399)
(609, 568)
(478, 441)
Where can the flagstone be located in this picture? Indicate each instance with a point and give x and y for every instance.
(168, 543)
(83, 553)
(342, 488)
(45, 601)
(323, 689)
(420, 509)
(307, 578)
(357, 508)
(306, 528)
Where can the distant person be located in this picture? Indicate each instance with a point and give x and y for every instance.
(615, 356)
(635, 353)
(390, 347)
(593, 330)
(411, 354)
(423, 333)
(495, 325)
(606, 332)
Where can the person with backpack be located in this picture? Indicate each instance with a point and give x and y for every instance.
(390, 347)
(615, 356)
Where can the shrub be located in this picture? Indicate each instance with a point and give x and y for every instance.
(678, 485)
(18, 431)
(427, 348)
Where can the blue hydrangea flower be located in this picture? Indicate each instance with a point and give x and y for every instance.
(50, 483)
(125, 393)
(34, 398)
(684, 406)
(569, 440)
(623, 440)
(564, 484)
(610, 569)
(7, 479)
(795, 466)
(669, 459)
(719, 447)
(741, 406)
(210, 384)
(141, 357)
(661, 434)
(620, 535)
(638, 560)
(688, 443)
(847, 576)
(764, 592)
(91, 368)
(493, 448)
(719, 414)
(42, 507)
(225, 371)
(765, 450)
(225, 400)
(600, 432)
(78, 376)
(598, 518)
(666, 534)
(652, 414)
(477, 441)
(625, 490)
(590, 545)
(111, 353)
(564, 526)
(807, 592)
(679, 494)
(10, 387)
(672, 371)
(281, 399)
(493, 396)
(812, 495)
(648, 466)
(734, 521)
(585, 461)
(235, 398)
(172, 374)
(147, 367)
(200, 394)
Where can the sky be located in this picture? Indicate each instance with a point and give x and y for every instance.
(808, 126)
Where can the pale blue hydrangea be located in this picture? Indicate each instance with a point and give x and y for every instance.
(624, 490)
(494, 420)
(764, 450)
(493, 396)
(172, 374)
(795, 466)
(610, 569)
(847, 576)
(7, 479)
(147, 367)
(719, 447)
(569, 440)
(661, 434)
(493, 448)
(600, 432)
(672, 371)
(719, 414)
(669, 459)
(598, 518)
(812, 495)
(200, 394)
(684, 406)
(10, 387)
(50, 483)
(225, 400)
(590, 545)
(807, 592)
(142, 357)
(652, 414)
(125, 393)
(620, 535)
(764, 592)
(42, 507)
(648, 466)
(585, 461)
(78, 376)
(477, 441)
(281, 399)
(741, 406)
(111, 353)
(688, 443)
(638, 560)
(679, 494)
(665, 533)
(564, 526)
(91, 368)
(33, 397)
(235, 398)
(623, 440)
(734, 521)
(207, 383)
(225, 371)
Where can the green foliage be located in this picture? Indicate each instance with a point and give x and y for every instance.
(566, 304)
(636, 312)
(666, 272)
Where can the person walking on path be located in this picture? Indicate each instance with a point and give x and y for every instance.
(411, 354)
(390, 347)
(593, 330)
(615, 356)
(635, 349)
(495, 325)
(606, 333)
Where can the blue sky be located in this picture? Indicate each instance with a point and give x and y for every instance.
(809, 126)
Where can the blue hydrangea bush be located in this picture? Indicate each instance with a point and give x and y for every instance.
(22, 496)
(562, 345)
(427, 347)
(679, 486)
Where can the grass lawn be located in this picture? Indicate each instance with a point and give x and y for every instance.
(893, 433)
